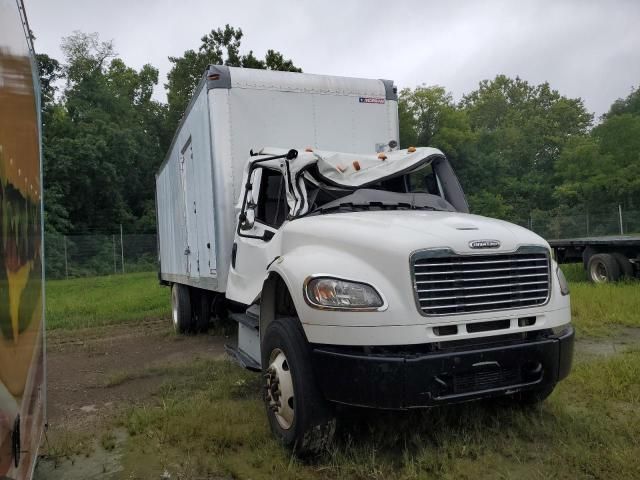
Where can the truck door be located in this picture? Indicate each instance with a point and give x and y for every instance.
(257, 242)
(189, 189)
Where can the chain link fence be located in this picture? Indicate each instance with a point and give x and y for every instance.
(608, 220)
(71, 256)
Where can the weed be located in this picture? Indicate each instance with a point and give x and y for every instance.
(66, 444)
(108, 440)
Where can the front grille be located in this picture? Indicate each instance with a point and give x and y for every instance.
(446, 283)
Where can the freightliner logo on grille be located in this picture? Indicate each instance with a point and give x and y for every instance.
(484, 244)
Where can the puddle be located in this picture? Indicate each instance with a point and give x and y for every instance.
(101, 464)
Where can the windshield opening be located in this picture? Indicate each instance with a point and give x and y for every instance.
(418, 189)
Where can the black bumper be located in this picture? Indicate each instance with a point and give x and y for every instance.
(397, 378)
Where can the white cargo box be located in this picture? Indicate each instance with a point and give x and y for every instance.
(234, 110)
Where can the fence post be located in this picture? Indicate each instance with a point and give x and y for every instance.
(121, 248)
(587, 223)
(113, 240)
(620, 216)
(66, 264)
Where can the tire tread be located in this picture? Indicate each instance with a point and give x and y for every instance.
(610, 263)
(314, 422)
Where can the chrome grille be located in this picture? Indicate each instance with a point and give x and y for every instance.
(446, 283)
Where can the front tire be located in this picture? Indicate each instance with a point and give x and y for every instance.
(299, 416)
(181, 308)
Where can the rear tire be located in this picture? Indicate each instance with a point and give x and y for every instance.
(181, 308)
(299, 416)
(626, 269)
(202, 313)
(602, 268)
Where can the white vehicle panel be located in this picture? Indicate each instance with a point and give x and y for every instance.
(346, 334)
(185, 203)
(286, 109)
(344, 244)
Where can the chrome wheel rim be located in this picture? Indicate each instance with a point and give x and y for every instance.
(174, 309)
(279, 389)
(599, 272)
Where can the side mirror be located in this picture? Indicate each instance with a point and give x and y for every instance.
(248, 217)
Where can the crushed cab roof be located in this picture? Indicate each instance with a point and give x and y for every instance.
(351, 170)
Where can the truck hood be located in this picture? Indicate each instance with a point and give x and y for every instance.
(404, 231)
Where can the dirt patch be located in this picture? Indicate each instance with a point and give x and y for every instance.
(624, 339)
(92, 371)
(97, 373)
(93, 375)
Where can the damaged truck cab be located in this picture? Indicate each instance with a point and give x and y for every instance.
(355, 278)
(397, 296)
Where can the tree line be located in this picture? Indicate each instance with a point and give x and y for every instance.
(516, 147)
(520, 148)
(104, 136)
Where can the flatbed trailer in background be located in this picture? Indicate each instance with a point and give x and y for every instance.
(606, 259)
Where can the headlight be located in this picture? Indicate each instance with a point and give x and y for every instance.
(333, 293)
(562, 281)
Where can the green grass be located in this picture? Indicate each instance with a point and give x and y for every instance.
(85, 302)
(97, 301)
(208, 422)
(599, 310)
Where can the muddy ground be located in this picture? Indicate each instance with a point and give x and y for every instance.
(95, 374)
(93, 371)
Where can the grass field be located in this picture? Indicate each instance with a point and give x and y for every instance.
(600, 310)
(85, 302)
(98, 301)
(208, 421)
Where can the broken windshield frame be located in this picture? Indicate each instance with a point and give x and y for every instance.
(419, 189)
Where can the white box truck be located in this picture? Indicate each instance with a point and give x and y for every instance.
(353, 269)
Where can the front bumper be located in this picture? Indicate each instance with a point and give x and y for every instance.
(437, 374)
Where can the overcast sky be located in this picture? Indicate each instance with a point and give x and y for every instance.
(588, 49)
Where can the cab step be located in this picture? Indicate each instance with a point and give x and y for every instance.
(250, 318)
(247, 352)
(242, 359)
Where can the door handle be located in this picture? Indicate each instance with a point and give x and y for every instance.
(187, 251)
(234, 253)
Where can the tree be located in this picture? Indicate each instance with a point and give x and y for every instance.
(429, 117)
(103, 141)
(503, 139)
(421, 113)
(49, 71)
(85, 55)
(605, 166)
(521, 131)
(630, 104)
(218, 47)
